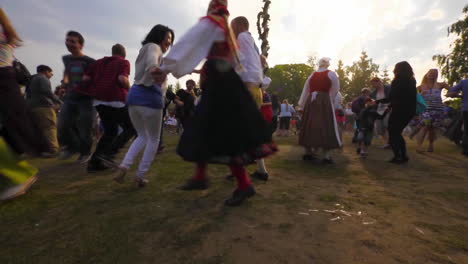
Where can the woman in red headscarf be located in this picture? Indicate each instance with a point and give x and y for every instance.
(227, 127)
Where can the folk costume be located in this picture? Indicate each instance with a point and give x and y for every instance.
(319, 129)
(251, 74)
(227, 127)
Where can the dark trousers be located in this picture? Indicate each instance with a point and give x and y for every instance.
(396, 124)
(274, 124)
(284, 122)
(356, 132)
(465, 135)
(75, 125)
(111, 141)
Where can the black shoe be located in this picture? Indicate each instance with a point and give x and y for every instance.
(238, 196)
(194, 185)
(161, 148)
(96, 166)
(229, 177)
(465, 153)
(309, 157)
(358, 151)
(328, 162)
(260, 176)
(398, 160)
(107, 160)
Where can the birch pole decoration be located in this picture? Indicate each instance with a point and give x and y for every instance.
(262, 27)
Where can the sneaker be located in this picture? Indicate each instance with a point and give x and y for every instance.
(387, 146)
(66, 154)
(17, 190)
(192, 184)
(238, 196)
(363, 154)
(82, 159)
(260, 176)
(141, 182)
(328, 162)
(120, 175)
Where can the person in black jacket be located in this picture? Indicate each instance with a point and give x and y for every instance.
(403, 105)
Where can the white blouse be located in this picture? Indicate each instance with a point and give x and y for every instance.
(249, 57)
(150, 56)
(192, 48)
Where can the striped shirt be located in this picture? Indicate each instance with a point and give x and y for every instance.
(433, 100)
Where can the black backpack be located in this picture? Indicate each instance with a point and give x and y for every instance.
(23, 76)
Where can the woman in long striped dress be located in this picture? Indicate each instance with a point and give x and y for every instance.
(432, 119)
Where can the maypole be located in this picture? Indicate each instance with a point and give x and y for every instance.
(262, 27)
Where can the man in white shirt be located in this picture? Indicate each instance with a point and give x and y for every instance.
(251, 73)
(249, 56)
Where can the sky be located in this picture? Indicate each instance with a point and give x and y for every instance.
(388, 30)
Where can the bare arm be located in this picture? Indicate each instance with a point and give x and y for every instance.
(123, 80)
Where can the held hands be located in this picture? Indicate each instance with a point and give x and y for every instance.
(159, 76)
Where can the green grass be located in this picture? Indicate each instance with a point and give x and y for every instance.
(73, 217)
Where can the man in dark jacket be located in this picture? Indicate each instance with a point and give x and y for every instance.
(43, 103)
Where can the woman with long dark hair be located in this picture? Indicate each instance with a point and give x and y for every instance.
(145, 103)
(403, 105)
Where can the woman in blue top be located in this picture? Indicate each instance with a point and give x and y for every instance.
(285, 115)
(145, 102)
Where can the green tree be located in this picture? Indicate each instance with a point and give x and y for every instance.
(385, 77)
(288, 80)
(177, 86)
(454, 66)
(312, 61)
(360, 74)
(343, 78)
(170, 88)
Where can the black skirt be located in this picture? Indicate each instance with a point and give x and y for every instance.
(227, 127)
(17, 125)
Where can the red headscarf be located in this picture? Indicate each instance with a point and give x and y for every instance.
(219, 14)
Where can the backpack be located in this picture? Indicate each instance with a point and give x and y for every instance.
(421, 105)
(23, 77)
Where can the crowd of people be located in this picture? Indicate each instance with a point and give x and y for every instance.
(232, 103)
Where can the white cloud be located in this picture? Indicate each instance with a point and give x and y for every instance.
(390, 30)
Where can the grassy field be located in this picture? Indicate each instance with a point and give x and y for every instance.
(358, 211)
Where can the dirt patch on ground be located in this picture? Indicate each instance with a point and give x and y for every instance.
(357, 211)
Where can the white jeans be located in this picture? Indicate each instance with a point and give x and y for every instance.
(147, 123)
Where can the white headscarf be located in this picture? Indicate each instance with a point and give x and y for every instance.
(324, 62)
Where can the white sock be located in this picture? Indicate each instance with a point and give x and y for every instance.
(261, 166)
